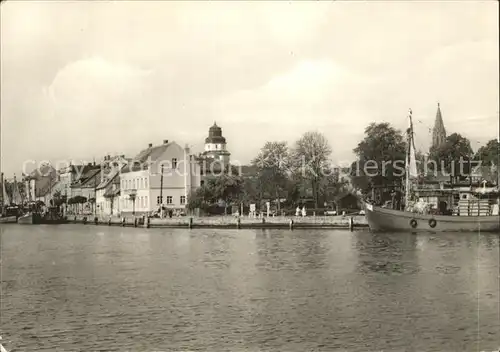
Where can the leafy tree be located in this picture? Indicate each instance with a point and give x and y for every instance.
(331, 187)
(226, 188)
(381, 157)
(310, 158)
(251, 190)
(448, 155)
(272, 165)
(58, 199)
(489, 154)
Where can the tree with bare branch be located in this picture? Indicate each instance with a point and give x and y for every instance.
(310, 158)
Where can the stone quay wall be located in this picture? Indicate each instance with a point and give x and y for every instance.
(310, 222)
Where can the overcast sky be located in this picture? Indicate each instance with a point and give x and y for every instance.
(82, 80)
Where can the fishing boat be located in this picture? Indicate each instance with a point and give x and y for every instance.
(471, 209)
(9, 212)
(36, 216)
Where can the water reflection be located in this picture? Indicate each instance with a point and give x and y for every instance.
(97, 288)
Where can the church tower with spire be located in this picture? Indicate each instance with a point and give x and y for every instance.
(438, 132)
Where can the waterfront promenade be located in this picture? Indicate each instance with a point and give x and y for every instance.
(308, 222)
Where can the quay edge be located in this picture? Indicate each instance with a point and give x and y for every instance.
(227, 222)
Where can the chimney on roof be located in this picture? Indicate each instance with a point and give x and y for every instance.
(150, 145)
(165, 141)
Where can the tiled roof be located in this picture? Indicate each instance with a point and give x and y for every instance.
(152, 153)
(91, 174)
(108, 178)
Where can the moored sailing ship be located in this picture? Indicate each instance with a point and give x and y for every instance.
(9, 211)
(470, 209)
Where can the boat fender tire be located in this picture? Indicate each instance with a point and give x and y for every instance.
(413, 223)
(432, 223)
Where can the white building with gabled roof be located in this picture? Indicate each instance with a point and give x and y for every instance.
(142, 187)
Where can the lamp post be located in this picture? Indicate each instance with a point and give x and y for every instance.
(161, 191)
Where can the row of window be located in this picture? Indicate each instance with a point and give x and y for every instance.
(138, 183)
(170, 200)
(140, 203)
(142, 182)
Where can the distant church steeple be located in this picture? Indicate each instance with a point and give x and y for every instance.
(438, 132)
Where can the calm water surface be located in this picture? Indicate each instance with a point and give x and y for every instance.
(89, 288)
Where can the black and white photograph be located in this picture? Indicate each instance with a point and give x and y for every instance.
(249, 176)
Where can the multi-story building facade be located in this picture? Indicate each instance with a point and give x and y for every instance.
(84, 187)
(108, 191)
(162, 175)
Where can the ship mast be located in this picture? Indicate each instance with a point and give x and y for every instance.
(410, 161)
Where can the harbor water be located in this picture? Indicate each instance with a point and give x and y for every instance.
(96, 288)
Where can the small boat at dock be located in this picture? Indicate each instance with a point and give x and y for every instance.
(52, 215)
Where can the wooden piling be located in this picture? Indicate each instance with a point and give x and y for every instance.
(135, 222)
(96, 220)
(238, 223)
(351, 224)
(291, 224)
(109, 221)
(84, 220)
(190, 223)
(123, 221)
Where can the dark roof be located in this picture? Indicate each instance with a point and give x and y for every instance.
(112, 192)
(215, 135)
(84, 181)
(152, 153)
(108, 179)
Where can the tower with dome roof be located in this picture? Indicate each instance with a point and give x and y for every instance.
(215, 145)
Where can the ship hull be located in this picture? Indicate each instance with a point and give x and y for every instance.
(28, 219)
(37, 219)
(382, 219)
(8, 220)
